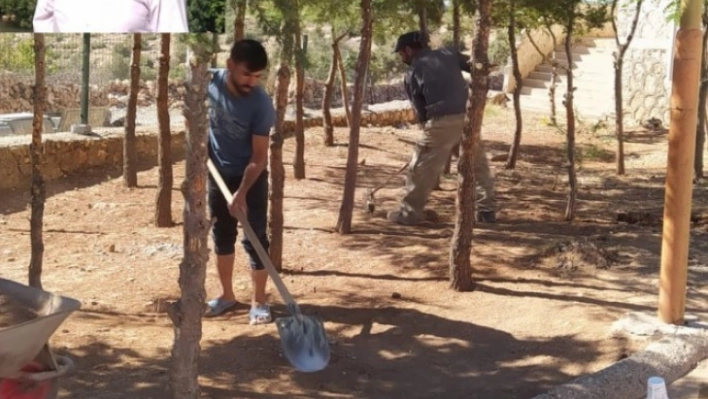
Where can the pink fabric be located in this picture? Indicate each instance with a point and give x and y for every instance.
(111, 16)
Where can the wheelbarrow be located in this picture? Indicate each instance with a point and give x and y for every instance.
(28, 318)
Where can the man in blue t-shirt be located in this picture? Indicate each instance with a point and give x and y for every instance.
(241, 115)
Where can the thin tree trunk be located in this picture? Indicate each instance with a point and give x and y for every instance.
(328, 94)
(299, 161)
(457, 45)
(511, 32)
(215, 54)
(423, 22)
(277, 171)
(343, 81)
(344, 222)
(570, 132)
(619, 63)
(456, 25)
(554, 70)
(461, 245)
(239, 21)
(163, 202)
(130, 172)
(554, 78)
(186, 313)
(703, 92)
(36, 148)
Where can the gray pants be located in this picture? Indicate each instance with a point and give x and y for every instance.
(440, 135)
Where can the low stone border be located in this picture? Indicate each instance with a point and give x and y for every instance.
(671, 358)
(66, 153)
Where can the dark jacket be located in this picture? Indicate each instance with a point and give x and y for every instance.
(435, 85)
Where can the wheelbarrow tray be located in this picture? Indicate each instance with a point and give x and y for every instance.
(22, 343)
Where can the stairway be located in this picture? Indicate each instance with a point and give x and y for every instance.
(593, 77)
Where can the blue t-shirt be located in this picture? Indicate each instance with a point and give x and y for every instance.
(233, 121)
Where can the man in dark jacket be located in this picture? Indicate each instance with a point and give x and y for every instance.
(438, 92)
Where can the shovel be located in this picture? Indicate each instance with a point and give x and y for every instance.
(303, 337)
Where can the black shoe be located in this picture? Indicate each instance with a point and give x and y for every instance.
(486, 217)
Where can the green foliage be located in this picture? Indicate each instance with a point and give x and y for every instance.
(206, 15)
(499, 49)
(384, 65)
(23, 10)
(120, 59)
(17, 54)
(121, 56)
(200, 44)
(392, 18)
(582, 15)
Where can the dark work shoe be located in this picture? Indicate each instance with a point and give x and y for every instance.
(486, 217)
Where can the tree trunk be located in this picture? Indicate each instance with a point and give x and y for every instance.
(328, 125)
(678, 194)
(299, 161)
(457, 45)
(343, 81)
(130, 172)
(619, 117)
(186, 313)
(461, 245)
(37, 189)
(570, 121)
(701, 123)
(511, 32)
(554, 79)
(456, 41)
(554, 69)
(239, 22)
(344, 222)
(277, 171)
(619, 63)
(423, 23)
(215, 45)
(163, 203)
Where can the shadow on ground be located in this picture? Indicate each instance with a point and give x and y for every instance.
(441, 357)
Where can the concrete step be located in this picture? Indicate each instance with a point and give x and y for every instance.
(582, 82)
(581, 78)
(580, 92)
(596, 42)
(594, 57)
(545, 71)
(595, 62)
(584, 110)
(587, 50)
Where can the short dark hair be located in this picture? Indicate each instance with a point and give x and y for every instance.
(250, 52)
(416, 40)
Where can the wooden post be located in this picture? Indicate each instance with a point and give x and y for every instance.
(679, 173)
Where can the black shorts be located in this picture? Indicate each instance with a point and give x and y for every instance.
(224, 230)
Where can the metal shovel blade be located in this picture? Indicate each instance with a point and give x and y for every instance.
(23, 341)
(304, 342)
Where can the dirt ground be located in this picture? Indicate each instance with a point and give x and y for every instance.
(547, 291)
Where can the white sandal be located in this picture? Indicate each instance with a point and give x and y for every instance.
(259, 314)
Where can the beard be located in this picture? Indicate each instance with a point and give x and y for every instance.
(243, 90)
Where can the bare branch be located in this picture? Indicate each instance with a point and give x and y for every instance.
(613, 20)
(553, 63)
(633, 29)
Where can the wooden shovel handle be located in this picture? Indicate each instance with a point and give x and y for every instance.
(253, 238)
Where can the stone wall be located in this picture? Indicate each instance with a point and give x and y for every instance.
(17, 95)
(66, 153)
(647, 63)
